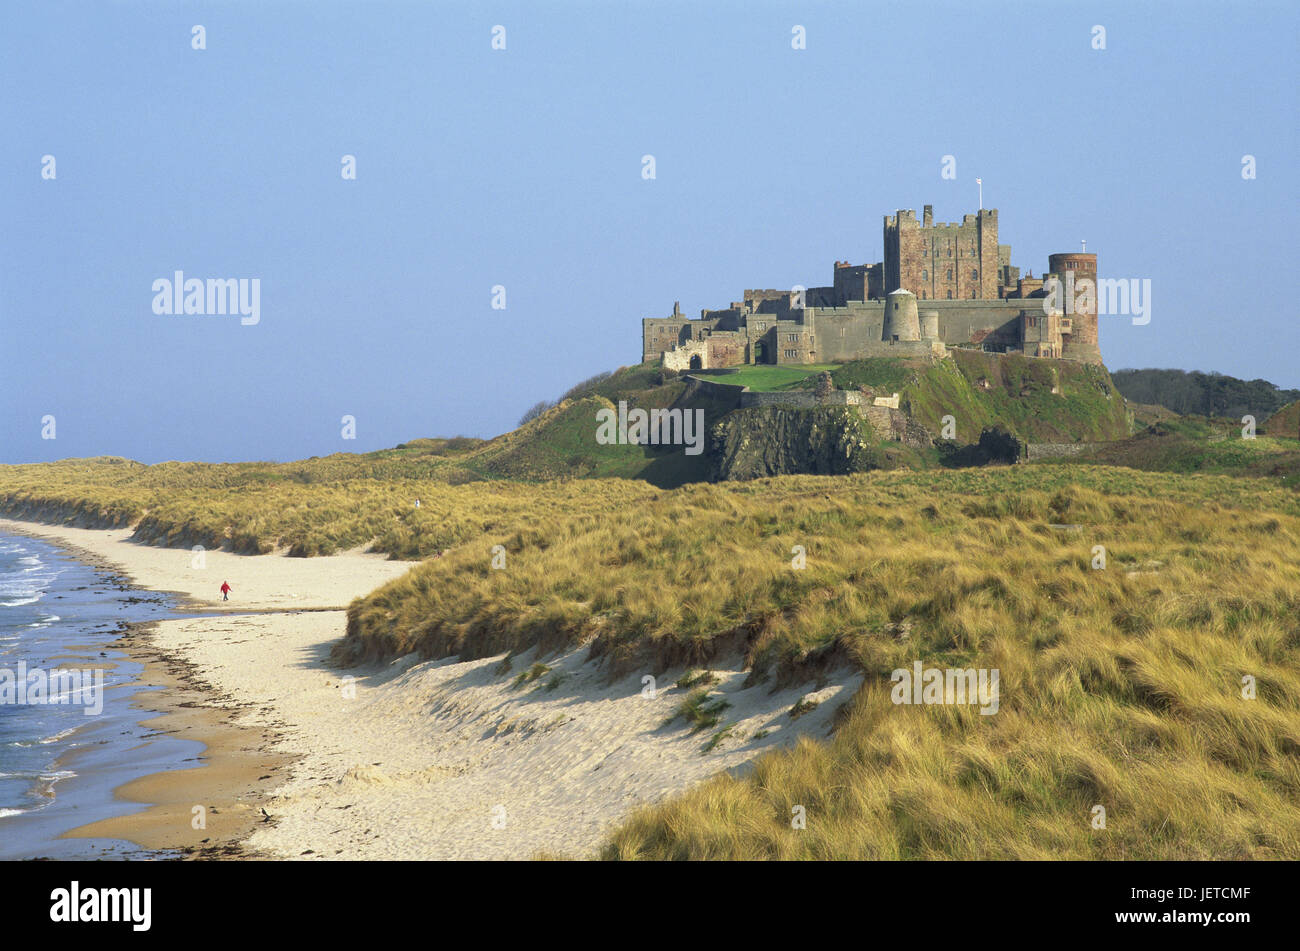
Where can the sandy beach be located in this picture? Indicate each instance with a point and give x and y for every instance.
(409, 759)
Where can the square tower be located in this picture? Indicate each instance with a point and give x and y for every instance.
(947, 261)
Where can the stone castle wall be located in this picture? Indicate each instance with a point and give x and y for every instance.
(993, 323)
(801, 398)
(842, 333)
(851, 332)
(1055, 450)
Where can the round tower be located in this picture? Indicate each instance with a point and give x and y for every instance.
(930, 324)
(901, 320)
(1081, 343)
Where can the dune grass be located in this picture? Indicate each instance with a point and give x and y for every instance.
(1120, 687)
(317, 507)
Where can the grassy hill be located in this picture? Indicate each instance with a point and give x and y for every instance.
(368, 498)
(1037, 400)
(560, 443)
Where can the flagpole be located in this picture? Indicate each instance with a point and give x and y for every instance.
(980, 183)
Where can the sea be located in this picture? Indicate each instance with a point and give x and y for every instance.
(60, 762)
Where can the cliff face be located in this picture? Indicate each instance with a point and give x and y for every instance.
(768, 441)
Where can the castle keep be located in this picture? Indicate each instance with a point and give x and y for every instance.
(940, 285)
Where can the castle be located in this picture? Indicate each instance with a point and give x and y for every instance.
(940, 285)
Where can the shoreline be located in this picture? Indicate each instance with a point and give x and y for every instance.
(80, 612)
(229, 780)
(239, 765)
(498, 758)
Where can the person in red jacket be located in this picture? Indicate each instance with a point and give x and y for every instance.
(225, 590)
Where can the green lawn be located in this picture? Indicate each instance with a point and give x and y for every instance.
(767, 377)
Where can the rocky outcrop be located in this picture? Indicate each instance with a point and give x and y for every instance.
(894, 424)
(769, 441)
(996, 444)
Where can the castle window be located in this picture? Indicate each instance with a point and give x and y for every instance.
(950, 252)
(974, 274)
(950, 295)
(950, 274)
(925, 275)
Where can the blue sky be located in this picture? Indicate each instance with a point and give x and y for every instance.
(522, 167)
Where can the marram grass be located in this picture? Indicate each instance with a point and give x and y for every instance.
(1120, 688)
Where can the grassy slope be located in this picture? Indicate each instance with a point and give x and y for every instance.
(980, 390)
(1285, 422)
(608, 561)
(884, 374)
(1190, 444)
(1119, 687)
(562, 442)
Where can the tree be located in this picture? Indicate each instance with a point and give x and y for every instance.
(537, 409)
